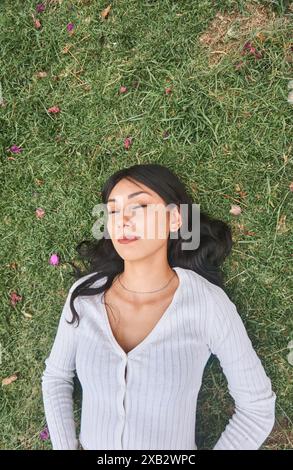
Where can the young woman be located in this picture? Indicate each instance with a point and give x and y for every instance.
(147, 315)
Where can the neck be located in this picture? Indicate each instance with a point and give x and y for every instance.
(147, 275)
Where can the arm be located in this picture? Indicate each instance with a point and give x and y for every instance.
(57, 384)
(248, 383)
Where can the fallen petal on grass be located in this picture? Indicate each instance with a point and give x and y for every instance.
(37, 22)
(54, 110)
(247, 46)
(14, 298)
(9, 380)
(40, 7)
(41, 74)
(235, 210)
(127, 142)
(44, 435)
(54, 259)
(15, 149)
(40, 213)
(105, 12)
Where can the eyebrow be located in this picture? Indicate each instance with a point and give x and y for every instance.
(132, 195)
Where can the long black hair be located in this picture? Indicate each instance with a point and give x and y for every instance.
(103, 260)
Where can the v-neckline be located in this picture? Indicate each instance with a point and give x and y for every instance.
(158, 325)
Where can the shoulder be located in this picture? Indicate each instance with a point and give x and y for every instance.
(226, 330)
(218, 309)
(213, 293)
(78, 305)
(204, 288)
(196, 280)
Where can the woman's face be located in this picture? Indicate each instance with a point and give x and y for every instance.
(133, 209)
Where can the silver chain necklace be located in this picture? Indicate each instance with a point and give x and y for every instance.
(145, 292)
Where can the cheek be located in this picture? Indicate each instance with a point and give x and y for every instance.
(110, 226)
(114, 226)
(154, 225)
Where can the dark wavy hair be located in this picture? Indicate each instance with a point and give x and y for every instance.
(103, 260)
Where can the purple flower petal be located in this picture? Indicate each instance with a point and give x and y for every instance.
(15, 149)
(247, 45)
(70, 26)
(40, 7)
(44, 435)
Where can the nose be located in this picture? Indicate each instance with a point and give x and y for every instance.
(124, 218)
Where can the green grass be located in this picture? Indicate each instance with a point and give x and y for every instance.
(214, 145)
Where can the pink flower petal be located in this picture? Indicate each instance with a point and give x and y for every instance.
(70, 26)
(54, 259)
(40, 213)
(127, 142)
(235, 210)
(37, 23)
(247, 45)
(14, 298)
(54, 110)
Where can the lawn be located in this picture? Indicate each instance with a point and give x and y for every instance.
(201, 87)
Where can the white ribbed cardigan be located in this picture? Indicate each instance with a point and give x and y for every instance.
(147, 399)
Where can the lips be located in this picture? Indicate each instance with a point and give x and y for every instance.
(128, 239)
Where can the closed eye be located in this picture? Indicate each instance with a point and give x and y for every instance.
(139, 205)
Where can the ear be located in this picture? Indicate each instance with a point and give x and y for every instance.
(175, 219)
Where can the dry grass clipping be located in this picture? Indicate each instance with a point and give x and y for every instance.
(227, 33)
